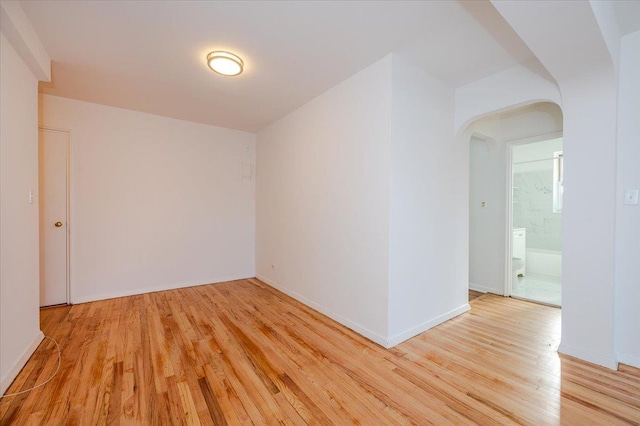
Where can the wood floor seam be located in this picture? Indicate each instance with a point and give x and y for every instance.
(242, 352)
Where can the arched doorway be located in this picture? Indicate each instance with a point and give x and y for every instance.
(491, 139)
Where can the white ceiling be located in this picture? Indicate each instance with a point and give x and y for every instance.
(150, 55)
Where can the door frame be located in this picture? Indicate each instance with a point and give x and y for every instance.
(508, 285)
(68, 206)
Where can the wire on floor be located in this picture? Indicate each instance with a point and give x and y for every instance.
(46, 381)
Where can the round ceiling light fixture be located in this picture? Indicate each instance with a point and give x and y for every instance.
(225, 63)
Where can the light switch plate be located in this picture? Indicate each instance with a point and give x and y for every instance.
(631, 197)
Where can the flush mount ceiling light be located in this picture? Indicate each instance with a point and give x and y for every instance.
(225, 63)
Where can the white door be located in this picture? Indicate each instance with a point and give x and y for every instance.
(53, 156)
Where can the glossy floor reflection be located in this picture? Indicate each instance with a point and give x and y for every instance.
(242, 352)
(538, 288)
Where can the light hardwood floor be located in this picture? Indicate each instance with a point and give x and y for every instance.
(474, 294)
(243, 353)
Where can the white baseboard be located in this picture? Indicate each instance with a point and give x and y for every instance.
(132, 292)
(628, 359)
(588, 356)
(374, 337)
(483, 289)
(6, 381)
(405, 335)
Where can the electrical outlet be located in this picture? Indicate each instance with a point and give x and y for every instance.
(631, 197)
(273, 266)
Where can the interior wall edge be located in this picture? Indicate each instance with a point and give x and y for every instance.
(576, 352)
(146, 290)
(19, 363)
(481, 288)
(628, 359)
(412, 332)
(360, 329)
(21, 34)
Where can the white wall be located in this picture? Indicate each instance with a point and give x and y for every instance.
(627, 274)
(589, 203)
(515, 87)
(582, 65)
(323, 202)
(156, 203)
(487, 224)
(488, 182)
(530, 122)
(17, 28)
(427, 245)
(19, 268)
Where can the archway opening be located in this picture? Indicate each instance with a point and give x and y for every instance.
(493, 244)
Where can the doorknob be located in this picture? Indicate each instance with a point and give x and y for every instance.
(58, 224)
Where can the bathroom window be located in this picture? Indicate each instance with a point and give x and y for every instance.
(558, 177)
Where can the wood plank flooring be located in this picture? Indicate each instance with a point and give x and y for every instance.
(244, 353)
(474, 294)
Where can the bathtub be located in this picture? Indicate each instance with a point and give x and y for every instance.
(543, 262)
